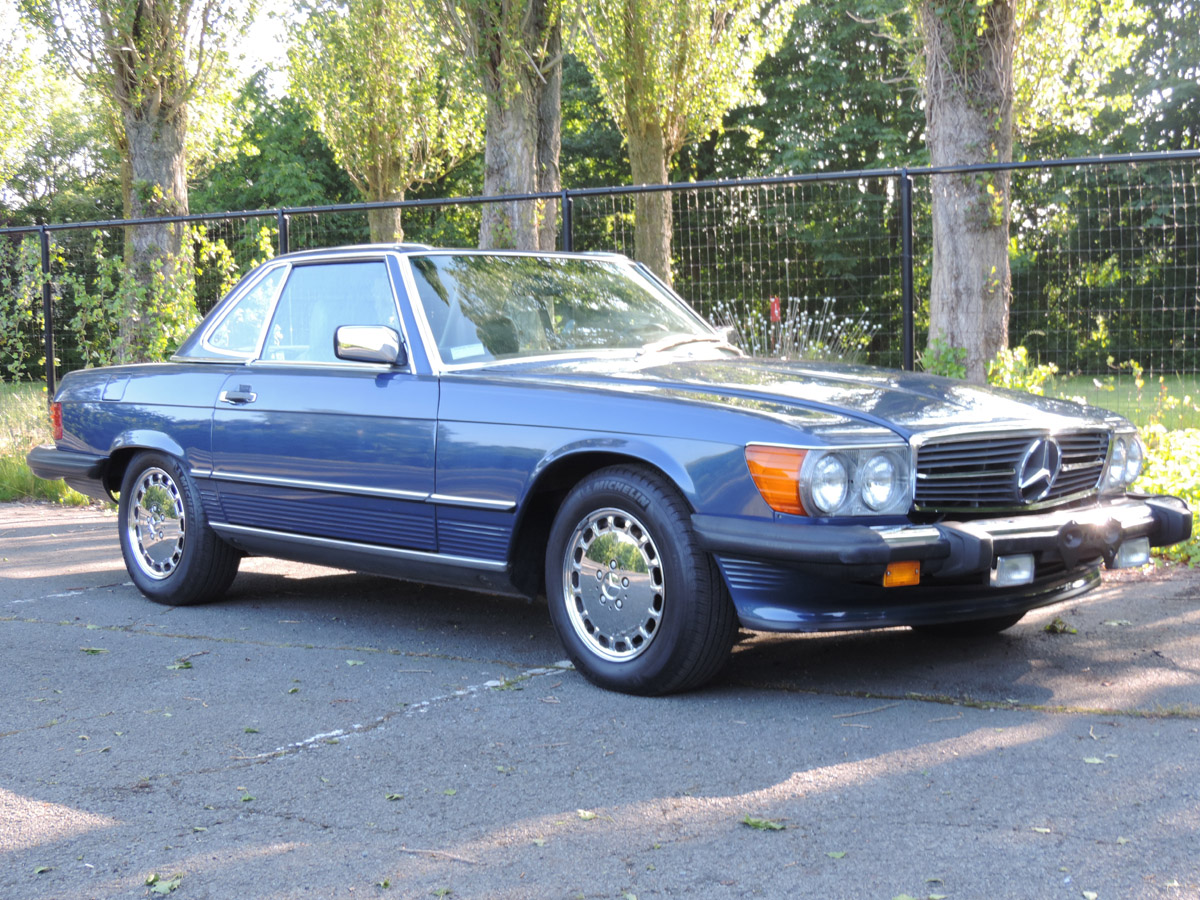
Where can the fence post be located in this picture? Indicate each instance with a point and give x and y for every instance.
(47, 312)
(281, 221)
(908, 329)
(567, 236)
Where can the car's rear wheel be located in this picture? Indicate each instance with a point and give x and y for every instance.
(172, 555)
(638, 605)
(972, 628)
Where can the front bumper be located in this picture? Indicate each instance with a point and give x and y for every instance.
(950, 549)
(816, 576)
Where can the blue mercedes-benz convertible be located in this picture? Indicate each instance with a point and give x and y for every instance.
(563, 424)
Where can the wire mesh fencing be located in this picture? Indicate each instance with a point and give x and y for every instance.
(1104, 258)
(811, 267)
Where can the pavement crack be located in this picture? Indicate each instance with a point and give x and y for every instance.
(409, 709)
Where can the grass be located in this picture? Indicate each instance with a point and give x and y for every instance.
(24, 423)
(1170, 400)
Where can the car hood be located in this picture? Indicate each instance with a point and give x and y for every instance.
(907, 403)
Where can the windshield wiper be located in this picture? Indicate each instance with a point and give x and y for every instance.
(672, 341)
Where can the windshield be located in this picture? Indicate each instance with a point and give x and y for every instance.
(482, 307)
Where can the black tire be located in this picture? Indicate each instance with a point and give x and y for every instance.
(172, 555)
(972, 628)
(639, 607)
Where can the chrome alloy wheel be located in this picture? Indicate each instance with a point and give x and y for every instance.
(613, 585)
(156, 524)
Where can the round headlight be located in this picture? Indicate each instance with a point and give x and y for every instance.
(878, 482)
(829, 484)
(1116, 465)
(1134, 458)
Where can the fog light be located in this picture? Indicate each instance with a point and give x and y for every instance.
(1012, 570)
(1132, 554)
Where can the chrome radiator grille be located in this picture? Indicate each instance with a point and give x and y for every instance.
(985, 471)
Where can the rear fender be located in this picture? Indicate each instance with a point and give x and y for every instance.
(128, 444)
(142, 439)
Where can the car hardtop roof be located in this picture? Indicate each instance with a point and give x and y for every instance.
(352, 249)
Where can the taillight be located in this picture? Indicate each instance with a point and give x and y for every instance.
(56, 420)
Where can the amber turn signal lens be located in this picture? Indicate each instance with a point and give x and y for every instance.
(776, 474)
(902, 573)
(56, 421)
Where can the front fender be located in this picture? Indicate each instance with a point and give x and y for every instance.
(617, 448)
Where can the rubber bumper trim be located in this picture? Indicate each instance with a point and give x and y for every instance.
(949, 549)
(48, 462)
(1173, 520)
(820, 545)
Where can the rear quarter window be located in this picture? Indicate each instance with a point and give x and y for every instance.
(239, 330)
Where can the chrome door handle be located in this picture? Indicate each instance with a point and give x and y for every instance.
(242, 395)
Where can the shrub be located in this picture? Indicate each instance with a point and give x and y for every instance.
(1173, 467)
(23, 425)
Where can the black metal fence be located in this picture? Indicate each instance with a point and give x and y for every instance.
(1105, 257)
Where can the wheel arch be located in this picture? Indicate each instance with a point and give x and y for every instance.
(551, 484)
(129, 444)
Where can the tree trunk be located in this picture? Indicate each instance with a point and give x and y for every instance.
(510, 167)
(968, 114)
(549, 144)
(157, 187)
(652, 211)
(522, 133)
(385, 223)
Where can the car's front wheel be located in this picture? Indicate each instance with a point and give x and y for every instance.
(638, 605)
(172, 555)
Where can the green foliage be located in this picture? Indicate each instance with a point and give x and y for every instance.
(141, 55)
(674, 65)
(278, 159)
(828, 100)
(25, 423)
(118, 318)
(1103, 262)
(394, 103)
(1173, 467)
(19, 93)
(1013, 369)
(939, 358)
(593, 152)
(1065, 64)
(1163, 79)
(20, 309)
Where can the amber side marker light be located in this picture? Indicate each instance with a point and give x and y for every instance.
(56, 421)
(776, 474)
(902, 573)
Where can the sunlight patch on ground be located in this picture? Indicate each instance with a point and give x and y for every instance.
(26, 823)
(641, 822)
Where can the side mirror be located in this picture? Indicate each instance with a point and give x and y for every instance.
(369, 344)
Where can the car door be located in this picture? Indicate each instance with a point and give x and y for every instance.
(305, 444)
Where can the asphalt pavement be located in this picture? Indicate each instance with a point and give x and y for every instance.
(327, 734)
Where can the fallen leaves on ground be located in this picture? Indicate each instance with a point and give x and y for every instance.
(763, 824)
(1058, 626)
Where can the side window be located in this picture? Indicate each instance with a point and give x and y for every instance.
(320, 298)
(239, 331)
